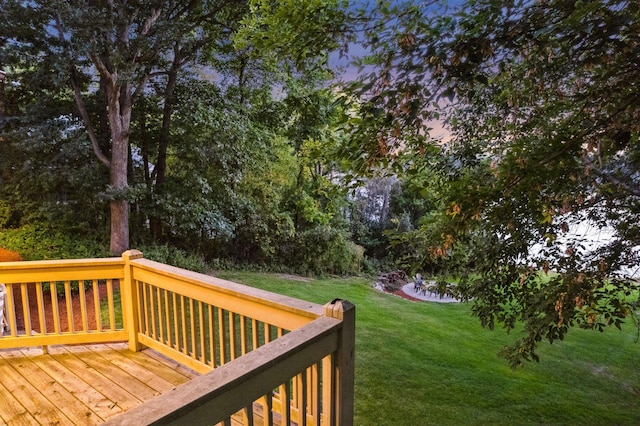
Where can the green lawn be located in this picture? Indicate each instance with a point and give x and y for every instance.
(420, 363)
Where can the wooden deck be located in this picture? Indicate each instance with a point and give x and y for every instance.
(81, 385)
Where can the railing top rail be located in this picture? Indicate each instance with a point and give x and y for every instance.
(67, 269)
(61, 263)
(284, 303)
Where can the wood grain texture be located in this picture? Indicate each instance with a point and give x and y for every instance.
(81, 385)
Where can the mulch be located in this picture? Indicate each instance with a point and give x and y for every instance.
(404, 295)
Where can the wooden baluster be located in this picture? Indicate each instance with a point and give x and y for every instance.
(10, 311)
(83, 306)
(167, 316)
(159, 314)
(212, 337)
(183, 319)
(96, 304)
(243, 335)
(192, 323)
(69, 305)
(111, 306)
(26, 313)
(41, 314)
(176, 322)
(55, 311)
(232, 335)
(201, 328)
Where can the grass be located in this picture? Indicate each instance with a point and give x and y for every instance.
(426, 363)
(117, 303)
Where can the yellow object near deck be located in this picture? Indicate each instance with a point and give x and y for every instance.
(263, 358)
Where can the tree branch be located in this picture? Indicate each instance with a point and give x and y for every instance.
(631, 189)
(82, 109)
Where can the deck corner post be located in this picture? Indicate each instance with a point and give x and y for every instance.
(344, 362)
(130, 303)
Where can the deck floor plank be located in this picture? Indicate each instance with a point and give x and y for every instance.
(157, 364)
(73, 409)
(105, 385)
(115, 373)
(76, 384)
(13, 412)
(158, 384)
(82, 385)
(32, 399)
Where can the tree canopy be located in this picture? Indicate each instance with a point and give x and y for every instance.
(120, 48)
(541, 103)
(203, 137)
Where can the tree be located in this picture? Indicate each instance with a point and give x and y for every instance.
(541, 102)
(120, 47)
(2, 78)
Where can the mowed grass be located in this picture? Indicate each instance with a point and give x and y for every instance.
(420, 363)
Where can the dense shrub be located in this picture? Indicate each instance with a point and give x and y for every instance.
(319, 251)
(40, 242)
(174, 257)
(324, 250)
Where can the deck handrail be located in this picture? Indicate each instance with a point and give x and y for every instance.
(216, 396)
(55, 319)
(299, 353)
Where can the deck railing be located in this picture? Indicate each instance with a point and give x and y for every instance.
(261, 354)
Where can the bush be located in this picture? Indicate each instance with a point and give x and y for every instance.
(41, 242)
(324, 250)
(174, 257)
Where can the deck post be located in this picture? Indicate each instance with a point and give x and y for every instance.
(342, 375)
(130, 305)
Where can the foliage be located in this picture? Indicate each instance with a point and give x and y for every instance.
(5, 213)
(174, 257)
(324, 250)
(225, 143)
(540, 100)
(104, 57)
(41, 241)
(48, 174)
(385, 214)
(305, 31)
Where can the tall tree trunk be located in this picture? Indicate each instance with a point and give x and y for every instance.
(120, 99)
(2, 77)
(160, 168)
(386, 194)
(163, 139)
